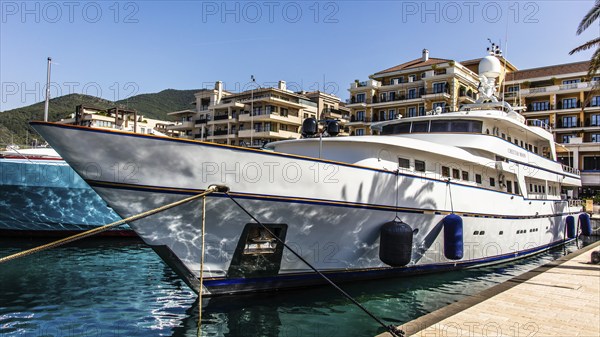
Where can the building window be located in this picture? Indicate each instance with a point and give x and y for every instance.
(412, 112)
(439, 104)
(439, 87)
(412, 93)
(421, 111)
(391, 114)
(403, 163)
(455, 174)
(540, 106)
(512, 88)
(465, 175)
(591, 163)
(419, 166)
(595, 138)
(412, 78)
(478, 178)
(595, 101)
(445, 171)
(392, 96)
(360, 98)
(492, 182)
(383, 97)
(571, 81)
(569, 103)
(569, 121)
(596, 79)
(360, 132)
(360, 116)
(381, 115)
(595, 120)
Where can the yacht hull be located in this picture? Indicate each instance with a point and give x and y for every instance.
(331, 213)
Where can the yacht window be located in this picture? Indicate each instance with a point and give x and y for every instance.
(516, 187)
(460, 126)
(403, 163)
(445, 171)
(420, 127)
(509, 139)
(457, 126)
(396, 129)
(535, 149)
(492, 182)
(501, 232)
(478, 178)
(535, 188)
(465, 175)
(516, 142)
(419, 166)
(503, 136)
(440, 126)
(509, 186)
(531, 188)
(455, 174)
(522, 144)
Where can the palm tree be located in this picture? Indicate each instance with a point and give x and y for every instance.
(587, 21)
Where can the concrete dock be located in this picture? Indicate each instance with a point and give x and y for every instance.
(561, 298)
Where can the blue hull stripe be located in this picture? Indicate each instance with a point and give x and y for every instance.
(379, 272)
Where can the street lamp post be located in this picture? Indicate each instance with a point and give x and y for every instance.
(47, 103)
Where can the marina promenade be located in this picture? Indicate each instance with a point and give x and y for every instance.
(561, 298)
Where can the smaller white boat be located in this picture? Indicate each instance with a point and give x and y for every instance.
(41, 195)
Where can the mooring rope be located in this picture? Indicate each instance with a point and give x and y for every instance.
(395, 331)
(201, 268)
(104, 228)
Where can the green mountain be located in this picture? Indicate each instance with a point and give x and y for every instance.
(14, 124)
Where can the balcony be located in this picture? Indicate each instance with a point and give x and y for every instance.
(443, 93)
(182, 126)
(364, 84)
(220, 119)
(359, 121)
(540, 124)
(201, 121)
(563, 88)
(281, 134)
(290, 119)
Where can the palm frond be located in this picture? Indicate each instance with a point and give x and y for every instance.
(589, 18)
(594, 64)
(588, 45)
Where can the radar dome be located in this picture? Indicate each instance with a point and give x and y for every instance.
(490, 67)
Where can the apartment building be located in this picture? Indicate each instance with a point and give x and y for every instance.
(252, 117)
(412, 89)
(117, 118)
(561, 97)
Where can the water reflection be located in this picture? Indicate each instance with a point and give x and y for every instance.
(119, 287)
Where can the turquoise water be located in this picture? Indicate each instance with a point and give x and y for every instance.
(119, 287)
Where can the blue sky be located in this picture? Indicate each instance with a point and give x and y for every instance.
(119, 49)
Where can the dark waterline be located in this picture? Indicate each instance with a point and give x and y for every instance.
(119, 287)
